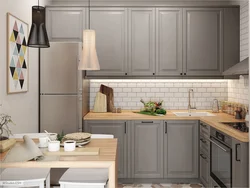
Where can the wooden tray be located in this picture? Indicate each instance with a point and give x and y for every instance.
(78, 151)
(6, 144)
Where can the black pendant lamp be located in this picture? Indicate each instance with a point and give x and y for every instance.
(38, 37)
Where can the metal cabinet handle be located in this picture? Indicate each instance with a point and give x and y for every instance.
(147, 122)
(125, 127)
(236, 152)
(203, 156)
(166, 127)
(217, 145)
(203, 141)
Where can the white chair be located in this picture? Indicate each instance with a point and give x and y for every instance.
(86, 178)
(25, 177)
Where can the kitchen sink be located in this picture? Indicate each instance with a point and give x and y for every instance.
(193, 114)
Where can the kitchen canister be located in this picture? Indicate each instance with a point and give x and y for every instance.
(54, 146)
(69, 145)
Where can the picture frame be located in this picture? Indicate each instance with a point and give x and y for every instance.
(17, 55)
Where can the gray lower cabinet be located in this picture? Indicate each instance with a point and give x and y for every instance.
(146, 149)
(181, 149)
(204, 169)
(66, 23)
(169, 41)
(119, 130)
(203, 41)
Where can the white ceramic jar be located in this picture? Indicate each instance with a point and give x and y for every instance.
(69, 145)
(54, 145)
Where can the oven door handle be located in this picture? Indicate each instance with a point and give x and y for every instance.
(217, 145)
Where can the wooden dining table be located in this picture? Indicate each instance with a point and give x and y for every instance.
(107, 158)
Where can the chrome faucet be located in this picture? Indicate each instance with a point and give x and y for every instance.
(189, 100)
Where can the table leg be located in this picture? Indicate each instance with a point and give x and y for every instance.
(112, 175)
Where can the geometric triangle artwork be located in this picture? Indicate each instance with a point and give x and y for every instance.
(12, 37)
(18, 47)
(21, 29)
(21, 59)
(24, 42)
(18, 40)
(12, 63)
(15, 76)
(12, 70)
(19, 70)
(21, 76)
(15, 34)
(15, 83)
(15, 51)
(24, 65)
(21, 52)
(18, 65)
(21, 83)
(24, 47)
(15, 27)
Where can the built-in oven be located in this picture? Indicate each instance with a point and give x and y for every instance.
(221, 158)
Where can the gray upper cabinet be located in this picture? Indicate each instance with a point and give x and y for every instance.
(168, 41)
(146, 149)
(203, 37)
(119, 130)
(141, 41)
(66, 23)
(110, 25)
(181, 149)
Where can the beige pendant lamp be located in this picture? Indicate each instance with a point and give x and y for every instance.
(89, 55)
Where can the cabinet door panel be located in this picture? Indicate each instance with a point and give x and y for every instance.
(168, 41)
(181, 149)
(117, 128)
(147, 149)
(111, 40)
(204, 170)
(203, 52)
(65, 24)
(142, 41)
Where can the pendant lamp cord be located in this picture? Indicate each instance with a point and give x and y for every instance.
(89, 14)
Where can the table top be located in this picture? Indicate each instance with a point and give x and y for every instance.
(107, 155)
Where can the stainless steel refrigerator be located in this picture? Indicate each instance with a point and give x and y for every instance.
(61, 88)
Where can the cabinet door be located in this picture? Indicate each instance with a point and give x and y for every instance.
(168, 41)
(181, 149)
(141, 41)
(65, 24)
(202, 40)
(110, 25)
(146, 150)
(204, 169)
(118, 129)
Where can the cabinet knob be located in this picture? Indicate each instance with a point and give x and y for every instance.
(153, 73)
(185, 73)
(181, 74)
(126, 73)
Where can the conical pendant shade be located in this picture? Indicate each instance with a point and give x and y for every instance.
(89, 56)
(38, 37)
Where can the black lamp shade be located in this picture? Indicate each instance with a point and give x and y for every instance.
(38, 37)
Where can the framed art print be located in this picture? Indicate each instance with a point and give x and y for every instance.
(17, 55)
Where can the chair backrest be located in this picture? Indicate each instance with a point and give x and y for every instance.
(102, 136)
(31, 135)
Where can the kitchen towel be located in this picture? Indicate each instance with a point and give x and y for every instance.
(26, 151)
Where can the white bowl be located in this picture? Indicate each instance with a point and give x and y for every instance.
(52, 136)
(54, 146)
(69, 145)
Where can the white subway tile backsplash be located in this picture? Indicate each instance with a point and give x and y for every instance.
(174, 93)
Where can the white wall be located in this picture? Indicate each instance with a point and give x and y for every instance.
(22, 107)
(244, 29)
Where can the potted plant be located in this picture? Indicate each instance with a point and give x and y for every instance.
(5, 120)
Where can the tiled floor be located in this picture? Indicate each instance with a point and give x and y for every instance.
(157, 186)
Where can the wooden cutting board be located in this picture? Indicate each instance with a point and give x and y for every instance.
(78, 151)
(6, 144)
(108, 91)
(100, 103)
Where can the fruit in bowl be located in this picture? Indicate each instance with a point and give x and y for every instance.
(152, 107)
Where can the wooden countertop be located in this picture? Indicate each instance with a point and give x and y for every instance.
(213, 121)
